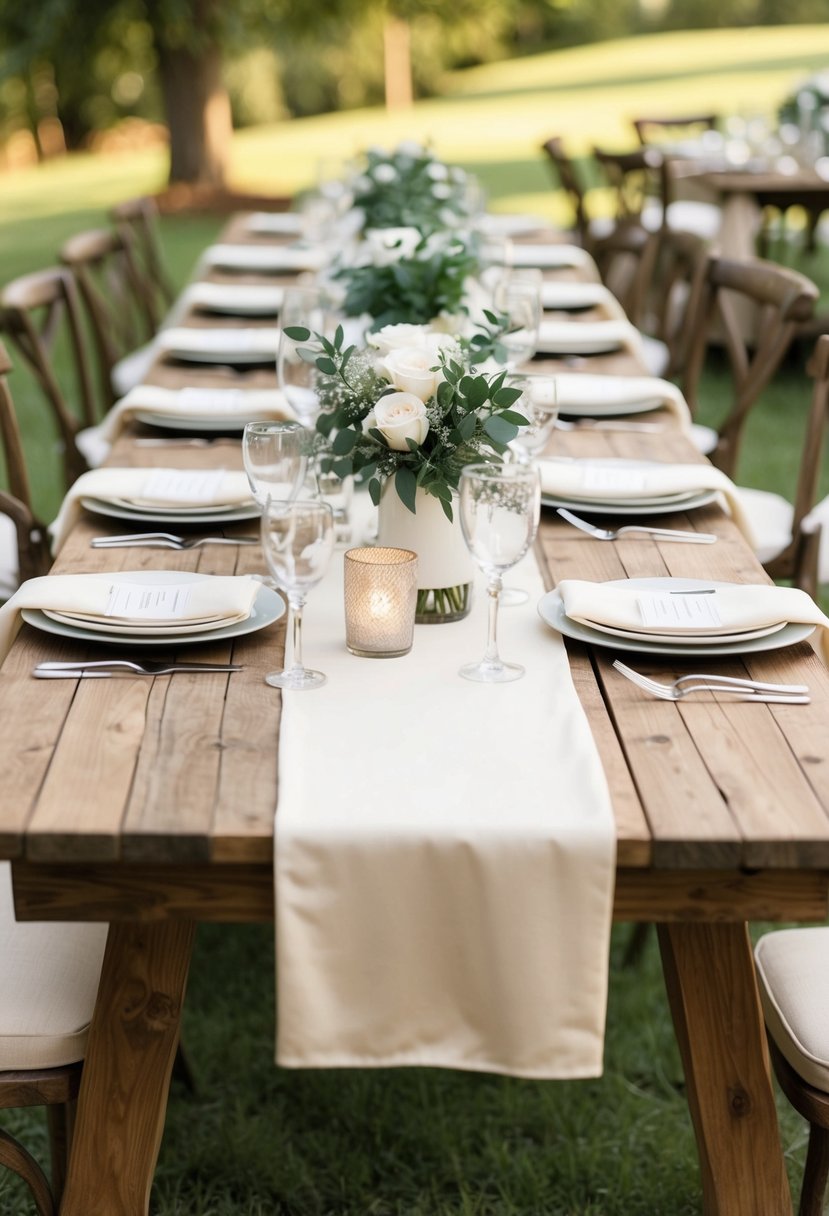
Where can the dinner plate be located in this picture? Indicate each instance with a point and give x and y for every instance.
(603, 409)
(228, 356)
(551, 611)
(100, 506)
(656, 506)
(267, 608)
(204, 422)
(194, 510)
(275, 223)
(721, 639)
(578, 346)
(235, 300)
(127, 629)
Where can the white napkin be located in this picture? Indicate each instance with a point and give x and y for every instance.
(235, 299)
(596, 396)
(562, 294)
(511, 223)
(739, 607)
(219, 342)
(456, 913)
(236, 405)
(554, 257)
(264, 259)
(233, 489)
(222, 596)
(275, 223)
(627, 481)
(579, 337)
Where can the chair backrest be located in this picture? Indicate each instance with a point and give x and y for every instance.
(625, 259)
(650, 128)
(32, 540)
(37, 312)
(636, 179)
(678, 263)
(568, 179)
(109, 284)
(784, 300)
(136, 221)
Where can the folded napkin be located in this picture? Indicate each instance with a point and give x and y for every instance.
(596, 396)
(235, 299)
(264, 259)
(738, 607)
(156, 487)
(561, 294)
(236, 405)
(579, 337)
(627, 481)
(89, 595)
(511, 223)
(275, 223)
(219, 342)
(554, 257)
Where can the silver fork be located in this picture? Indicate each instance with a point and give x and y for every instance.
(166, 540)
(692, 538)
(110, 667)
(606, 424)
(741, 687)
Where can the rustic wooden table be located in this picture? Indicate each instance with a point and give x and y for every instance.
(149, 803)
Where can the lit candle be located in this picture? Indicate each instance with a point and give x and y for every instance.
(380, 599)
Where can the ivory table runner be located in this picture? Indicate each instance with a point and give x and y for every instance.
(444, 855)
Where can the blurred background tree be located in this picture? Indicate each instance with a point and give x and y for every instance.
(70, 71)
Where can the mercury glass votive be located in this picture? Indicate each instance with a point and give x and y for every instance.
(380, 599)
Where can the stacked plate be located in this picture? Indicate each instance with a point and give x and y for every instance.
(607, 502)
(219, 345)
(265, 259)
(237, 299)
(694, 641)
(585, 338)
(208, 626)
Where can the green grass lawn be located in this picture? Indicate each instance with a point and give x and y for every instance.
(257, 1141)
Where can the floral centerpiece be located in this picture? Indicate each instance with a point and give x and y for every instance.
(409, 187)
(406, 414)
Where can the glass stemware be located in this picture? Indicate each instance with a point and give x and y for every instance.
(499, 511)
(275, 456)
(298, 540)
(539, 404)
(517, 296)
(305, 308)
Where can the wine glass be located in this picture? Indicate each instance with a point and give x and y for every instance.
(275, 456)
(296, 373)
(539, 404)
(517, 297)
(298, 540)
(499, 510)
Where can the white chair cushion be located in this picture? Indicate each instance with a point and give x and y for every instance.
(685, 215)
(48, 983)
(704, 438)
(9, 565)
(132, 369)
(770, 518)
(820, 515)
(793, 975)
(92, 446)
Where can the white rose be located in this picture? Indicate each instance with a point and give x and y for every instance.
(436, 171)
(389, 245)
(385, 174)
(410, 147)
(441, 190)
(412, 370)
(401, 416)
(397, 337)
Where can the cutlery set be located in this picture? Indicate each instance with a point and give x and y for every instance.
(694, 538)
(738, 687)
(103, 669)
(167, 540)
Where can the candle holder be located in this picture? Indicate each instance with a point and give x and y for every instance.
(380, 599)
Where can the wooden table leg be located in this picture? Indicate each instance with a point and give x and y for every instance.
(709, 974)
(130, 1053)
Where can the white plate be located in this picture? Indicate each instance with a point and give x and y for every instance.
(237, 300)
(135, 515)
(655, 506)
(720, 639)
(275, 223)
(124, 629)
(231, 356)
(267, 608)
(197, 512)
(602, 409)
(189, 422)
(579, 346)
(551, 611)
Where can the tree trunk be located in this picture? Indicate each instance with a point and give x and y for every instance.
(397, 55)
(198, 114)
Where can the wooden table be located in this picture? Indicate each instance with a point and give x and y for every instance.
(149, 803)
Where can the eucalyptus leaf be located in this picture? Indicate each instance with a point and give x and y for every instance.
(499, 430)
(297, 333)
(405, 482)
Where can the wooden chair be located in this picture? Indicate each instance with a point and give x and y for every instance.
(117, 302)
(136, 221)
(793, 981)
(48, 983)
(566, 175)
(644, 188)
(655, 130)
(24, 546)
(42, 317)
(783, 300)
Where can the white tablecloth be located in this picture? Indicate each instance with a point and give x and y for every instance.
(445, 855)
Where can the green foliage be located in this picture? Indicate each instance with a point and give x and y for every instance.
(409, 188)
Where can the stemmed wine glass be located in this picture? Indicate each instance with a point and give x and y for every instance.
(275, 456)
(304, 308)
(499, 510)
(539, 404)
(298, 540)
(517, 296)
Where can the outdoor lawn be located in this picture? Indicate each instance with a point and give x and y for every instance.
(257, 1141)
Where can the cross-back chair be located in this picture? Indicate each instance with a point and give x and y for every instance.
(644, 187)
(136, 221)
(109, 282)
(653, 129)
(24, 547)
(755, 342)
(565, 173)
(42, 317)
(48, 984)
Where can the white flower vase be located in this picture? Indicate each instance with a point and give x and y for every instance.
(444, 567)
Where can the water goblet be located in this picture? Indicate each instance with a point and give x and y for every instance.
(275, 456)
(298, 540)
(539, 404)
(499, 511)
(306, 308)
(516, 296)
